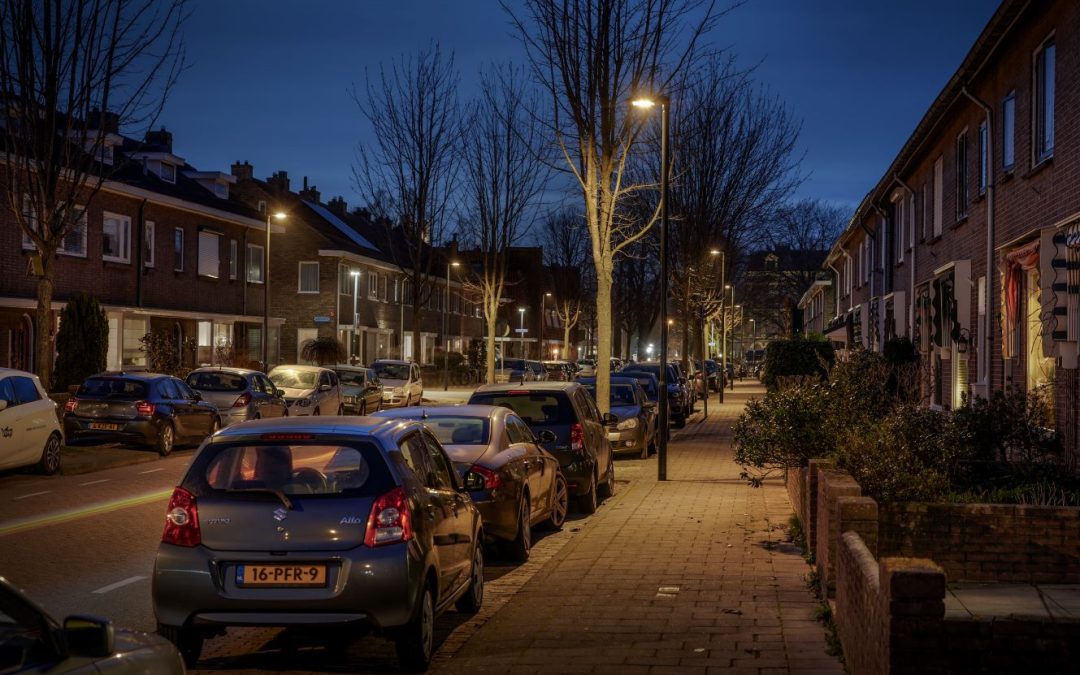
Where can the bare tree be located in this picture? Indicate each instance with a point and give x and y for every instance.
(591, 56)
(636, 295)
(566, 247)
(407, 176)
(503, 149)
(67, 66)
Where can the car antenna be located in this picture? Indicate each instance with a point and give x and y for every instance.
(423, 413)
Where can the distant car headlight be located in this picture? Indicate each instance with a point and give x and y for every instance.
(629, 423)
(304, 402)
(398, 391)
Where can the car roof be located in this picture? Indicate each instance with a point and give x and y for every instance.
(351, 369)
(138, 375)
(528, 386)
(4, 372)
(296, 366)
(398, 362)
(463, 410)
(381, 428)
(615, 379)
(225, 369)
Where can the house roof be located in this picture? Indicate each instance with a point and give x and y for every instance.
(350, 233)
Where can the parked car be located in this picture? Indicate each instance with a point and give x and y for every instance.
(635, 430)
(712, 372)
(361, 388)
(568, 411)
(513, 370)
(402, 383)
(678, 411)
(559, 371)
(238, 394)
(586, 368)
(514, 482)
(358, 525)
(31, 641)
(539, 373)
(143, 408)
(29, 431)
(309, 390)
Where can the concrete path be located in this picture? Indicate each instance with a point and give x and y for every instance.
(689, 576)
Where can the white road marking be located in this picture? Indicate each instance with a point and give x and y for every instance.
(118, 584)
(32, 494)
(95, 482)
(150, 471)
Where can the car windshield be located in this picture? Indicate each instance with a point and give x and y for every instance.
(292, 470)
(113, 387)
(458, 430)
(391, 371)
(210, 381)
(294, 379)
(513, 364)
(655, 370)
(351, 377)
(533, 407)
(621, 394)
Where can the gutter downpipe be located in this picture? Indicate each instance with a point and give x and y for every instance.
(140, 263)
(984, 377)
(873, 237)
(911, 241)
(836, 293)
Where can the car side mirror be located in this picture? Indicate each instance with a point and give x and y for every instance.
(89, 636)
(325, 387)
(195, 395)
(608, 418)
(546, 436)
(279, 392)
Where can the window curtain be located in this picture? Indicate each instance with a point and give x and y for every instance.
(1013, 266)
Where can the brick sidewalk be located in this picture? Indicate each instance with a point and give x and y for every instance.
(690, 576)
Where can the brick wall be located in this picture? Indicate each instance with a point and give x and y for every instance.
(795, 481)
(861, 615)
(832, 484)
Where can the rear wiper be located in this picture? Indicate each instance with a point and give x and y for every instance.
(277, 493)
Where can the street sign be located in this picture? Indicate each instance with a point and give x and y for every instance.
(321, 319)
(521, 330)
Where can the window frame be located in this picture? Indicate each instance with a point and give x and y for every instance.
(344, 281)
(1043, 134)
(125, 244)
(205, 237)
(963, 177)
(262, 263)
(162, 172)
(938, 192)
(1008, 131)
(179, 252)
(149, 239)
(234, 259)
(984, 157)
(300, 277)
(373, 285)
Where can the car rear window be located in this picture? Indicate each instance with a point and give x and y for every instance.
(286, 378)
(457, 430)
(354, 470)
(217, 381)
(513, 364)
(621, 394)
(533, 407)
(351, 377)
(113, 387)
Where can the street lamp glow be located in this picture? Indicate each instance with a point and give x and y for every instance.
(643, 102)
(726, 287)
(715, 251)
(280, 215)
(354, 273)
(455, 264)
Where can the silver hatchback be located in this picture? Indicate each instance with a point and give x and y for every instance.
(239, 394)
(351, 522)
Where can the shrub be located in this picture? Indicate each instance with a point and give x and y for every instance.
(163, 354)
(797, 357)
(82, 342)
(1011, 426)
(323, 351)
(784, 429)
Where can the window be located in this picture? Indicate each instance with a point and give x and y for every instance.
(373, 285)
(255, 263)
(1008, 131)
(861, 263)
(406, 292)
(899, 218)
(397, 290)
(382, 287)
(262, 206)
(74, 242)
(927, 200)
(983, 150)
(148, 244)
(1043, 106)
(962, 176)
(178, 249)
(25, 390)
(168, 172)
(234, 259)
(939, 189)
(309, 277)
(345, 281)
(116, 237)
(209, 254)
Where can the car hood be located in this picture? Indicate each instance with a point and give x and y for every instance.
(298, 393)
(625, 411)
(465, 454)
(351, 389)
(144, 652)
(390, 384)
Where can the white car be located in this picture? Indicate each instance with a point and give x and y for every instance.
(29, 429)
(309, 390)
(402, 384)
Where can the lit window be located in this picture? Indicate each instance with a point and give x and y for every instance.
(373, 285)
(209, 254)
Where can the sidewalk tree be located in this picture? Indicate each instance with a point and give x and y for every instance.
(566, 247)
(591, 57)
(70, 72)
(82, 343)
(323, 351)
(408, 174)
(507, 174)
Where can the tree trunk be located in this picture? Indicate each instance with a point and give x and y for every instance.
(603, 335)
(566, 341)
(417, 352)
(489, 357)
(43, 323)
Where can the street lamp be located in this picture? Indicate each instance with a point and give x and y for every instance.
(543, 320)
(723, 372)
(355, 274)
(753, 340)
(446, 328)
(723, 334)
(521, 330)
(266, 292)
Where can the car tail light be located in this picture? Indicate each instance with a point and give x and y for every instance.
(577, 437)
(182, 520)
(144, 408)
(242, 400)
(70, 405)
(491, 479)
(390, 521)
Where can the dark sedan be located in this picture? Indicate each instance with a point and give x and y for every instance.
(514, 482)
(143, 408)
(677, 406)
(360, 388)
(635, 430)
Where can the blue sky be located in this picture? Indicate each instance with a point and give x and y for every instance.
(269, 80)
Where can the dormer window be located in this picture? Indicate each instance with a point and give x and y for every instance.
(106, 155)
(168, 172)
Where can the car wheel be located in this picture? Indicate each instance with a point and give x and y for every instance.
(188, 641)
(518, 548)
(315, 412)
(340, 410)
(680, 422)
(166, 438)
(586, 503)
(473, 599)
(363, 408)
(50, 456)
(560, 502)
(416, 643)
(607, 488)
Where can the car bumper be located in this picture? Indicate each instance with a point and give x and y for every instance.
(627, 441)
(374, 587)
(578, 474)
(77, 429)
(297, 410)
(231, 416)
(498, 513)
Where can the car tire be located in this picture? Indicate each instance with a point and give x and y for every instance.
(363, 409)
(473, 599)
(587, 503)
(517, 549)
(560, 504)
(315, 412)
(188, 641)
(50, 456)
(680, 422)
(415, 644)
(166, 438)
(340, 410)
(607, 488)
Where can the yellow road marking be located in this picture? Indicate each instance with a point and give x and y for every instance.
(34, 522)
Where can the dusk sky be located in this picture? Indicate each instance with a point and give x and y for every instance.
(269, 81)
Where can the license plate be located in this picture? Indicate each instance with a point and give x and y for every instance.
(281, 575)
(102, 426)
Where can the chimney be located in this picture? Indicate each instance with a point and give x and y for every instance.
(310, 194)
(338, 207)
(109, 122)
(160, 139)
(279, 182)
(243, 171)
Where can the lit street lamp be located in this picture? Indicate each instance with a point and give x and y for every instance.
(521, 330)
(355, 274)
(723, 373)
(266, 293)
(543, 320)
(446, 329)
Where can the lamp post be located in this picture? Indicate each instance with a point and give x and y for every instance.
(355, 274)
(446, 329)
(521, 331)
(753, 340)
(664, 102)
(723, 373)
(266, 293)
(543, 320)
(723, 336)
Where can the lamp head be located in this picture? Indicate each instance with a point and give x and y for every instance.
(643, 102)
(354, 273)
(715, 251)
(727, 286)
(280, 215)
(455, 264)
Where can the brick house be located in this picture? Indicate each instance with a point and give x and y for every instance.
(162, 247)
(772, 283)
(817, 305)
(974, 230)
